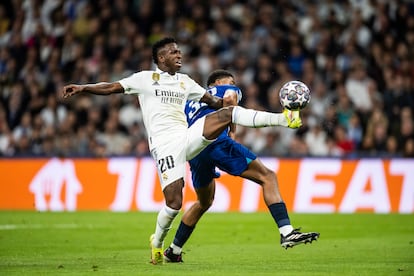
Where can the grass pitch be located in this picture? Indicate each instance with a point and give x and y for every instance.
(104, 243)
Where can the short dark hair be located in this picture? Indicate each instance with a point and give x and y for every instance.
(158, 45)
(218, 74)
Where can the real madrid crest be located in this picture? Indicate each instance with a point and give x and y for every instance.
(155, 78)
(182, 85)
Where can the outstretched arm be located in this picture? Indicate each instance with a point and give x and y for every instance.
(102, 88)
(212, 101)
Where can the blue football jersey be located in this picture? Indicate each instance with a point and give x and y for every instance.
(224, 153)
(196, 110)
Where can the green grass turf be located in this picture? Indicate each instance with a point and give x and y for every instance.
(104, 243)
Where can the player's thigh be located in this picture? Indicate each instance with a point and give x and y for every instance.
(216, 122)
(196, 142)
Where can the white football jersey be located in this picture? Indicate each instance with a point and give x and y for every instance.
(162, 98)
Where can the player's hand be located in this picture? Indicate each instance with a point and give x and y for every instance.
(71, 89)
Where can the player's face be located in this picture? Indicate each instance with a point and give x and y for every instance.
(225, 81)
(169, 58)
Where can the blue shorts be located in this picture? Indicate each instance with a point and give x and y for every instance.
(225, 154)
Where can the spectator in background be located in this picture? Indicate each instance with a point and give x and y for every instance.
(15, 105)
(377, 118)
(333, 149)
(251, 98)
(320, 100)
(295, 60)
(406, 128)
(297, 147)
(140, 148)
(263, 77)
(316, 138)
(409, 148)
(25, 127)
(345, 108)
(355, 131)
(48, 148)
(392, 147)
(112, 137)
(357, 31)
(242, 70)
(380, 138)
(273, 145)
(357, 89)
(130, 113)
(346, 58)
(6, 138)
(397, 95)
(53, 113)
(330, 120)
(342, 140)
(36, 98)
(256, 140)
(364, 46)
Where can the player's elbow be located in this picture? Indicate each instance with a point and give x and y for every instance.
(115, 88)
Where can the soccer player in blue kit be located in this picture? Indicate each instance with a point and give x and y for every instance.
(235, 159)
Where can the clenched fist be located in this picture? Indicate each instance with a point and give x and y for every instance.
(71, 89)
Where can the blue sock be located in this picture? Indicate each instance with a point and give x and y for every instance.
(183, 234)
(279, 214)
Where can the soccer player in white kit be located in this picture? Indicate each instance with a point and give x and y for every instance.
(162, 95)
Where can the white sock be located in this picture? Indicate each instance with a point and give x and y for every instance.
(285, 230)
(257, 119)
(164, 220)
(176, 249)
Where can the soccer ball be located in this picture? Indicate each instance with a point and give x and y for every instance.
(294, 95)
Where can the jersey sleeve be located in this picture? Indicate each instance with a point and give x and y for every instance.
(239, 95)
(131, 83)
(196, 90)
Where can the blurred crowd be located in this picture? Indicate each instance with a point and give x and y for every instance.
(356, 56)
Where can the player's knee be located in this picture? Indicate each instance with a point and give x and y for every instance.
(173, 194)
(206, 204)
(174, 205)
(204, 207)
(267, 176)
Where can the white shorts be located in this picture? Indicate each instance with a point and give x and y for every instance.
(171, 156)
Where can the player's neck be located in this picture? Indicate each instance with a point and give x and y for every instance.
(166, 69)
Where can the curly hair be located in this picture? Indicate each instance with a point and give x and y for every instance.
(158, 45)
(218, 74)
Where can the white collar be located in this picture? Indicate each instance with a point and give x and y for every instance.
(158, 70)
